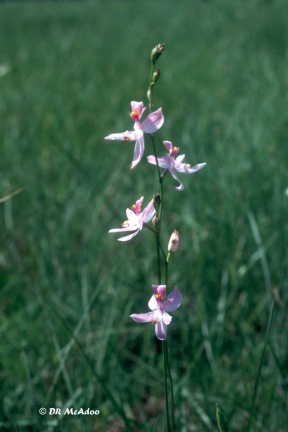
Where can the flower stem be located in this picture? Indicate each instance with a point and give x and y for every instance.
(159, 247)
(167, 360)
(150, 88)
(165, 386)
(158, 257)
(149, 227)
(171, 385)
(166, 271)
(155, 154)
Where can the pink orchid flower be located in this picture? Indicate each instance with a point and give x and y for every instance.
(136, 219)
(151, 124)
(159, 316)
(169, 162)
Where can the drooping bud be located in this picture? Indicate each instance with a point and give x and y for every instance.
(174, 242)
(155, 76)
(156, 52)
(156, 202)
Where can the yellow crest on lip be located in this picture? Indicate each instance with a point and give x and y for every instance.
(134, 114)
(174, 151)
(136, 208)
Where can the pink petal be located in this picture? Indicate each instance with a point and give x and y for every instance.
(142, 318)
(138, 151)
(129, 228)
(159, 289)
(152, 304)
(129, 237)
(179, 188)
(123, 136)
(168, 145)
(148, 212)
(153, 122)
(166, 318)
(179, 159)
(139, 203)
(173, 300)
(185, 170)
(162, 161)
(132, 218)
(140, 220)
(161, 330)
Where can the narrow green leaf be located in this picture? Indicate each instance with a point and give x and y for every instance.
(221, 419)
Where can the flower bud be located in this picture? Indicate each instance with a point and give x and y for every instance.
(155, 76)
(156, 52)
(174, 242)
(149, 94)
(156, 201)
(156, 221)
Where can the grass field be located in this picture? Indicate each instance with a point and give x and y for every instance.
(68, 71)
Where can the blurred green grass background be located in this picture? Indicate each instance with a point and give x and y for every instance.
(69, 72)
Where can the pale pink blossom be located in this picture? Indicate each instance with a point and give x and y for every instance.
(174, 242)
(151, 124)
(168, 162)
(159, 315)
(135, 219)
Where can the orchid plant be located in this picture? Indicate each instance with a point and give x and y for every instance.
(159, 304)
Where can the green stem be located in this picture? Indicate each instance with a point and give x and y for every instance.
(155, 154)
(158, 257)
(171, 385)
(165, 385)
(167, 360)
(149, 227)
(159, 247)
(150, 88)
(166, 271)
(161, 203)
(252, 411)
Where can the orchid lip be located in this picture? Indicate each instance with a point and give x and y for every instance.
(135, 115)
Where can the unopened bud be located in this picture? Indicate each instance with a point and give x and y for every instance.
(156, 221)
(156, 52)
(155, 76)
(174, 242)
(149, 94)
(156, 201)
